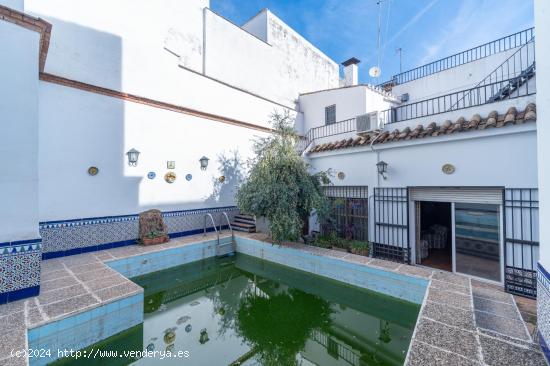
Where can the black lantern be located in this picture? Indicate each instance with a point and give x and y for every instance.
(204, 162)
(382, 167)
(133, 156)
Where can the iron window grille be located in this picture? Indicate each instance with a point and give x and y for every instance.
(521, 240)
(330, 114)
(349, 208)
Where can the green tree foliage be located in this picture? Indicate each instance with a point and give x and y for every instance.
(280, 187)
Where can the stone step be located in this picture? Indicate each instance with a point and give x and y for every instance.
(245, 221)
(238, 226)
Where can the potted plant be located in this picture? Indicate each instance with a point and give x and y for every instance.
(154, 237)
(360, 247)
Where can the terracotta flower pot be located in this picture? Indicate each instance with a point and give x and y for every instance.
(154, 241)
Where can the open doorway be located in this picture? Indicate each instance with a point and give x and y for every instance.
(434, 235)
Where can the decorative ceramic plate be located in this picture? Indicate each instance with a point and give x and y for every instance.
(222, 178)
(93, 170)
(151, 175)
(171, 164)
(188, 177)
(341, 175)
(448, 168)
(170, 177)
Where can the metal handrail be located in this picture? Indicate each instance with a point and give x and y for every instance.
(473, 54)
(515, 58)
(228, 223)
(214, 226)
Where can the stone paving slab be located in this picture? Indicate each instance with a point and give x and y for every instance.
(71, 285)
(422, 354)
(500, 353)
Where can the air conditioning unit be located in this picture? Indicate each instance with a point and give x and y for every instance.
(370, 122)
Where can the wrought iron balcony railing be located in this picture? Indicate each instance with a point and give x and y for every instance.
(500, 45)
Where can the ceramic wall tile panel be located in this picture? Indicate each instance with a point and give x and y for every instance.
(75, 236)
(543, 304)
(19, 269)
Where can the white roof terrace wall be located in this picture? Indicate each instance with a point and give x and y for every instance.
(157, 49)
(483, 110)
(350, 102)
(451, 80)
(273, 60)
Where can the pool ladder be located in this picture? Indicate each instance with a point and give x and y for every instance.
(225, 245)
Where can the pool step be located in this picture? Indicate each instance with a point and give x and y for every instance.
(244, 223)
(225, 247)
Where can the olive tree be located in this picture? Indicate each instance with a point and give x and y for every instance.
(279, 185)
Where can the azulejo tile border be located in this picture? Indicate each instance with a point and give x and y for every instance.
(543, 304)
(70, 237)
(123, 218)
(19, 269)
(543, 278)
(20, 243)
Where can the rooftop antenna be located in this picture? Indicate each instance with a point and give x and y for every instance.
(399, 50)
(375, 70)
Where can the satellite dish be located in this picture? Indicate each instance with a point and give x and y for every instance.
(375, 71)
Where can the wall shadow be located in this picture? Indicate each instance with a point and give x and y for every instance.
(231, 168)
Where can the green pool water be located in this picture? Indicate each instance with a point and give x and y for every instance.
(245, 311)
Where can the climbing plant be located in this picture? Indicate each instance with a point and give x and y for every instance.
(279, 186)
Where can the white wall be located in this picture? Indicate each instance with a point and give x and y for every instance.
(257, 25)
(451, 80)
(79, 129)
(483, 110)
(350, 102)
(19, 131)
(157, 52)
(272, 60)
(542, 24)
(480, 158)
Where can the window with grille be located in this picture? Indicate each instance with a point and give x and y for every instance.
(348, 215)
(330, 114)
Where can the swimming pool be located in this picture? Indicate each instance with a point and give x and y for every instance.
(243, 310)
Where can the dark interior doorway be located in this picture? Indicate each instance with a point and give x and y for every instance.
(434, 239)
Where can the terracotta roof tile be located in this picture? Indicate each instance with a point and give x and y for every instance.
(493, 120)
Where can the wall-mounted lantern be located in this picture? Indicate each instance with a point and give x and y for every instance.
(133, 156)
(382, 167)
(204, 162)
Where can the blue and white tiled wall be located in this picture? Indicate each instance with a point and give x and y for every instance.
(62, 238)
(19, 269)
(543, 304)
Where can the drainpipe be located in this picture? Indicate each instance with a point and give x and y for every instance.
(377, 158)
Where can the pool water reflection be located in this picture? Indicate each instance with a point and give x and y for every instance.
(245, 311)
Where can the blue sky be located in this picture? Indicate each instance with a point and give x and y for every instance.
(426, 30)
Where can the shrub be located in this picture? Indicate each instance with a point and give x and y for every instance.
(279, 186)
(359, 247)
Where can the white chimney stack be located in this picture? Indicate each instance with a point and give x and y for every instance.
(351, 76)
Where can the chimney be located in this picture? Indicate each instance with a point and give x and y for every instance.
(350, 72)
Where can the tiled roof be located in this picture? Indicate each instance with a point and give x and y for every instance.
(493, 120)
